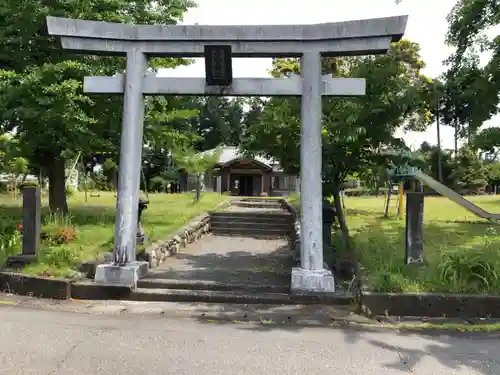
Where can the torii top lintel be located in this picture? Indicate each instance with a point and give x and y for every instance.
(361, 37)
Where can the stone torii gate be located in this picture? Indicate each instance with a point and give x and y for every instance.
(218, 44)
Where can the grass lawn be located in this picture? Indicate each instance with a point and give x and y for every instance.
(462, 252)
(94, 225)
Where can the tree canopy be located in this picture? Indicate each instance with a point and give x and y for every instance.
(41, 95)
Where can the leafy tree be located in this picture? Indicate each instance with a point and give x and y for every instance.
(41, 96)
(195, 164)
(356, 131)
(219, 121)
(431, 155)
(493, 175)
(480, 87)
(472, 92)
(488, 141)
(12, 163)
(470, 173)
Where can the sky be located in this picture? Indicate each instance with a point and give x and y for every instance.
(427, 26)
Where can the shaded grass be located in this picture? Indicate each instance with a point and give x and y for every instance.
(94, 224)
(449, 327)
(449, 231)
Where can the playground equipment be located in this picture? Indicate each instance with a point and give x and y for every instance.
(408, 172)
(397, 175)
(400, 200)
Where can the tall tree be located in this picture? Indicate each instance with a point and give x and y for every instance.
(356, 131)
(219, 122)
(469, 21)
(196, 164)
(41, 97)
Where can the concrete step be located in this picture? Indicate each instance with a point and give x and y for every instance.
(256, 205)
(251, 225)
(210, 296)
(258, 200)
(250, 232)
(227, 222)
(252, 216)
(150, 283)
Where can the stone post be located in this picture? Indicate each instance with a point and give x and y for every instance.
(311, 276)
(414, 250)
(141, 236)
(219, 184)
(32, 212)
(328, 220)
(125, 269)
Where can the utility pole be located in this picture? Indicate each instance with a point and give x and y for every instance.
(440, 166)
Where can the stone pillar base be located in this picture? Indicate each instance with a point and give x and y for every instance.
(126, 275)
(20, 260)
(320, 281)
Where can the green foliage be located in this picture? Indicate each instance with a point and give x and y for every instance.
(11, 161)
(493, 173)
(28, 183)
(355, 130)
(10, 238)
(474, 90)
(464, 269)
(41, 96)
(58, 257)
(158, 184)
(470, 173)
(487, 140)
(429, 161)
(196, 164)
(70, 191)
(193, 162)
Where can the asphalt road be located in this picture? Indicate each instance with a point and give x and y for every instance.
(57, 342)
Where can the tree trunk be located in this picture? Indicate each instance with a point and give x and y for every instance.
(114, 180)
(198, 188)
(340, 216)
(57, 185)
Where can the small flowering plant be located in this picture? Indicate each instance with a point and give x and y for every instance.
(58, 235)
(54, 233)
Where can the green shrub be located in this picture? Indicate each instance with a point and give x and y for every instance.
(4, 186)
(28, 184)
(158, 184)
(58, 256)
(361, 192)
(10, 239)
(70, 191)
(467, 269)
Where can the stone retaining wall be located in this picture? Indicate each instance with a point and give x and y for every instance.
(159, 251)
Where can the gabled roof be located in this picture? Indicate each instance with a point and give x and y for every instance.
(229, 154)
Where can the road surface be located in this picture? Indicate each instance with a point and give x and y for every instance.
(58, 342)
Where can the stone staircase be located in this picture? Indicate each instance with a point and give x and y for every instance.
(246, 260)
(252, 218)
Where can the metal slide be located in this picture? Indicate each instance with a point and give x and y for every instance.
(457, 198)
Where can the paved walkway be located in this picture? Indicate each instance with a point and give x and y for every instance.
(230, 260)
(42, 342)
